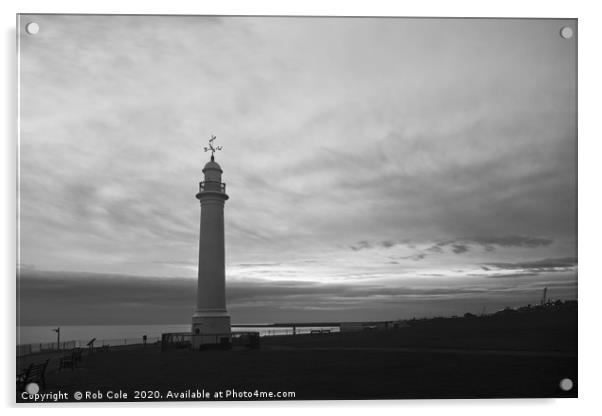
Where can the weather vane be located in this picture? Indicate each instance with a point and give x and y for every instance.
(212, 147)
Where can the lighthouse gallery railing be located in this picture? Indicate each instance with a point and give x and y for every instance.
(212, 186)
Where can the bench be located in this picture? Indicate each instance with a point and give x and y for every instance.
(35, 373)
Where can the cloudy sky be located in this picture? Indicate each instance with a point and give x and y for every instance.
(377, 168)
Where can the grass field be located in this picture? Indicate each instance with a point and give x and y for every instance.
(510, 355)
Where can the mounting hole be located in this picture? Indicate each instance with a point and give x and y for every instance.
(566, 32)
(32, 388)
(32, 28)
(566, 384)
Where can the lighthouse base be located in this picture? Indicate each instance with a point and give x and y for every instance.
(210, 328)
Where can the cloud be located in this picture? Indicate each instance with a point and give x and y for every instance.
(563, 263)
(47, 298)
(361, 245)
(510, 275)
(459, 248)
(77, 298)
(435, 249)
(245, 265)
(121, 172)
(463, 244)
(177, 263)
(511, 241)
(340, 152)
(415, 257)
(387, 244)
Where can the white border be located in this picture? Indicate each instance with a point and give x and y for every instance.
(589, 184)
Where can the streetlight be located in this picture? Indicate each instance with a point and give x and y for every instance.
(58, 337)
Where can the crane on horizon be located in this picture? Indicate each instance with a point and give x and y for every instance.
(544, 296)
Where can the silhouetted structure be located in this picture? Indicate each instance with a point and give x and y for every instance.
(210, 317)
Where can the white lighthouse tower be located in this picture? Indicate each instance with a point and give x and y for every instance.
(210, 321)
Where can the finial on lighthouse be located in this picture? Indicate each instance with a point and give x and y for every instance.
(212, 147)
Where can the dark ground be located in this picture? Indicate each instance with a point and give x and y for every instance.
(516, 354)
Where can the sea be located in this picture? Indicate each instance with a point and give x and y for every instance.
(133, 334)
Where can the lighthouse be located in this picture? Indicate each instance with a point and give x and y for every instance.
(210, 321)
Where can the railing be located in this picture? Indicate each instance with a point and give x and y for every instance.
(124, 341)
(176, 340)
(26, 349)
(212, 186)
(184, 340)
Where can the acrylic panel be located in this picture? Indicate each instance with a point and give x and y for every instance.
(296, 208)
